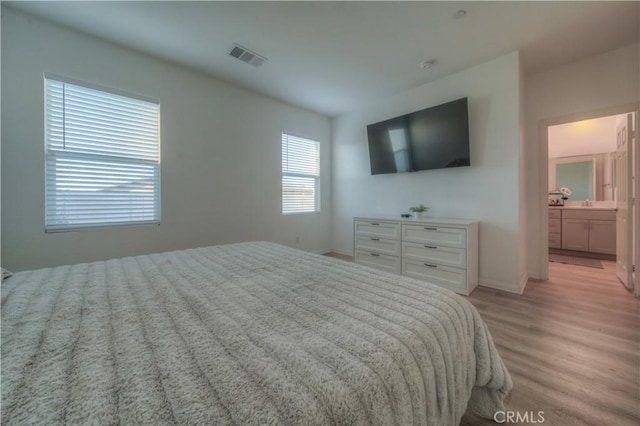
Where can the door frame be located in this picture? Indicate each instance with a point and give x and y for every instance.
(543, 176)
(635, 217)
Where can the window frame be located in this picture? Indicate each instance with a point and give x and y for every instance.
(48, 152)
(317, 188)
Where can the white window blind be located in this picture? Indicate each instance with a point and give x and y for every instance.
(102, 158)
(300, 175)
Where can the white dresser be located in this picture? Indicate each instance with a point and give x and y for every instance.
(441, 251)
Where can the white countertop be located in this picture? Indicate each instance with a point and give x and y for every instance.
(582, 208)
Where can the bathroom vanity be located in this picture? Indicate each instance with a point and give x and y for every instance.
(587, 229)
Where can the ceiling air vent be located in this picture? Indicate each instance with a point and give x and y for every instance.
(245, 55)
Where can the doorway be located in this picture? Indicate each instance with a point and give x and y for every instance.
(582, 215)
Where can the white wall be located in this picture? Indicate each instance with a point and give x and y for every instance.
(487, 191)
(593, 84)
(583, 137)
(220, 152)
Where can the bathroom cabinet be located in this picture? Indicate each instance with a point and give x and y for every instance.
(589, 230)
(555, 228)
(602, 236)
(575, 234)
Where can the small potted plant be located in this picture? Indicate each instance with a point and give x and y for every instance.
(565, 193)
(418, 211)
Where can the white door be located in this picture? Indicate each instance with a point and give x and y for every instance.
(624, 199)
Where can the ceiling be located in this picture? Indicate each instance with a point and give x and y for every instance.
(331, 57)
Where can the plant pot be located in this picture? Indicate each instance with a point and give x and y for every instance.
(418, 215)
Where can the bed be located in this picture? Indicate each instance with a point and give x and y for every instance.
(248, 333)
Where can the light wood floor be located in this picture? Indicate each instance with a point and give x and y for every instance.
(571, 344)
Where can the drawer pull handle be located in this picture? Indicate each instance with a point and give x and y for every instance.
(430, 229)
(375, 254)
(430, 265)
(375, 239)
(431, 247)
(375, 224)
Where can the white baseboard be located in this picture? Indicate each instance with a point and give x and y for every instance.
(322, 251)
(498, 285)
(535, 276)
(523, 282)
(343, 252)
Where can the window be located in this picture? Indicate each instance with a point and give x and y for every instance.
(102, 152)
(300, 175)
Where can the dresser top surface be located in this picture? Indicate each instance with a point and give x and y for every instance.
(424, 220)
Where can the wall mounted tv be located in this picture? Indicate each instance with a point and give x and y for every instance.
(432, 138)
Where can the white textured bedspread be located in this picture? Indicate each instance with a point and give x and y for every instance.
(250, 333)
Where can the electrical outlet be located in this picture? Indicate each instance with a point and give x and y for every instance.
(297, 240)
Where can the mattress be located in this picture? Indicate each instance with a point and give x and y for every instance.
(249, 333)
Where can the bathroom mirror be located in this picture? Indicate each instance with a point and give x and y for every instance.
(589, 177)
(578, 177)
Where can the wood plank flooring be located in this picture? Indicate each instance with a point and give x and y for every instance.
(571, 344)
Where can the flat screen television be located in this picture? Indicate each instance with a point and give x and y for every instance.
(432, 138)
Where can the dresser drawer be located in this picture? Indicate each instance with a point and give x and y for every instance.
(586, 213)
(378, 229)
(435, 235)
(443, 255)
(378, 261)
(378, 245)
(555, 240)
(555, 225)
(450, 278)
(555, 214)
